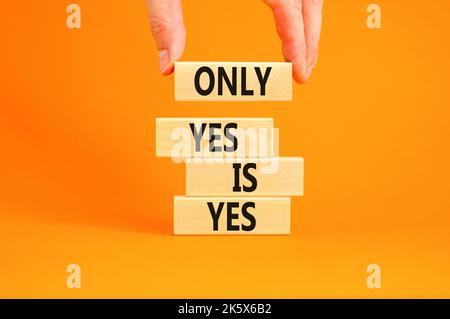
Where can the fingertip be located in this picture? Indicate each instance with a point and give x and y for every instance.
(164, 60)
(299, 72)
(295, 52)
(169, 70)
(300, 78)
(168, 30)
(311, 66)
(168, 57)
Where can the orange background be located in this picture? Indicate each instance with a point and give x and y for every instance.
(80, 182)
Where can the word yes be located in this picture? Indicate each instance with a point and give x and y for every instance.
(232, 216)
(213, 136)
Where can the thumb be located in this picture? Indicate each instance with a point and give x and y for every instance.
(291, 30)
(166, 20)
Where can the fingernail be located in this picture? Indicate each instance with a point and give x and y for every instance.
(303, 73)
(309, 71)
(311, 67)
(163, 60)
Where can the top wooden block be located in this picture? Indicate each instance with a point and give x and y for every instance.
(233, 81)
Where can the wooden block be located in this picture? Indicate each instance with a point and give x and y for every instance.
(232, 215)
(279, 176)
(233, 137)
(233, 81)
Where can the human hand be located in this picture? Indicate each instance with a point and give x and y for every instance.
(298, 24)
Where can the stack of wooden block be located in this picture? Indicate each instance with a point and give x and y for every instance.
(231, 186)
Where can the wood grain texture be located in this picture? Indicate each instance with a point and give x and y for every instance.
(279, 176)
(192, 215)
(277, 87)
(174, 137)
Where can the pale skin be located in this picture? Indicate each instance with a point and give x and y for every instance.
(298, 24)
